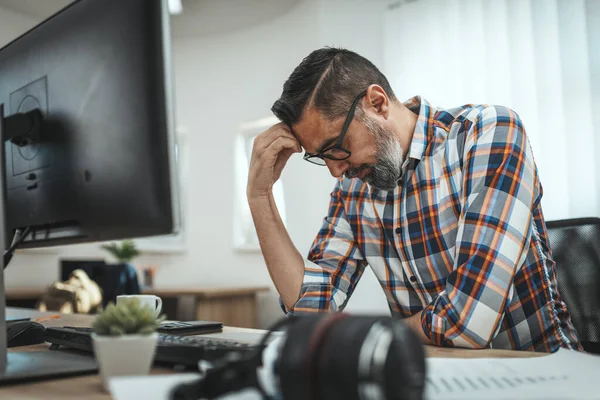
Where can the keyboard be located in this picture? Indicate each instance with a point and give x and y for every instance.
(184, 351)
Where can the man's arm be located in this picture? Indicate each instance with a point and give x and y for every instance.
(284, 262)
(272, 149)
(325, 281)
(335, 262)
(494, 232)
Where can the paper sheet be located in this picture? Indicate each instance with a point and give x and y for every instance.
(153, 387)
(158, 387)
(563, 375)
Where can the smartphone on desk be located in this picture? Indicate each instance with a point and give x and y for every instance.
(186, 328)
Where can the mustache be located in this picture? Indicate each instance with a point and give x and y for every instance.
(354, 172)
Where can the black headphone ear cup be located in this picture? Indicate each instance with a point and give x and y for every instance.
(405, 363)
(291, 366)
(320, 359)
(338, 358)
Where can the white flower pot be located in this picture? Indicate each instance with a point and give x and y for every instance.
(124, 355)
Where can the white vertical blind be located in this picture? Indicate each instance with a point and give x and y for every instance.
(576, 89)
(534, 56)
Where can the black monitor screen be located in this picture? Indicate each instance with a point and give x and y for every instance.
(103, 165)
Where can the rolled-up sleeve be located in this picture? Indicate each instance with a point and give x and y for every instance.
(494, 232)
(334, 263)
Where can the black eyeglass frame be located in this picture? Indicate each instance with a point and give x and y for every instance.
(319, 158)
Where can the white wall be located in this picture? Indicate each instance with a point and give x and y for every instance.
(13, 24)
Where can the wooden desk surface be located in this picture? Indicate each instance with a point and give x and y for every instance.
(446, 352)
(90, 387)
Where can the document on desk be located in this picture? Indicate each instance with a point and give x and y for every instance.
(563, 375)
(159, 387)
(154, 387)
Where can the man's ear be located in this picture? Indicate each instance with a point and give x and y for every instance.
(377, 101)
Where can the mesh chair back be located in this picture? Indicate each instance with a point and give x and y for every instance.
(575, 245)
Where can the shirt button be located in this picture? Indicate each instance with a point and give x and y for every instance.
(413, 278)
(398, 230)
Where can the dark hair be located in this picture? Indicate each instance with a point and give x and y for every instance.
(328, 79)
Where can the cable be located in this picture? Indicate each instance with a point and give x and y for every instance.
(229, 374)
(18, 238)
(275, 327)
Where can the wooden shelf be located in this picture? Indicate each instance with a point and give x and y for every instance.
(205, 293)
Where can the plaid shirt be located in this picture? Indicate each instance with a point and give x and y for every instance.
(462, 240)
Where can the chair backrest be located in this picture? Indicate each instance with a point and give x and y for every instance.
(575, 245)
(113, 279)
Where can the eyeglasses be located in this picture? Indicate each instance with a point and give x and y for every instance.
(336, 152)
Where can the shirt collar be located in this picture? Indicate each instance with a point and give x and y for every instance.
(422, 132)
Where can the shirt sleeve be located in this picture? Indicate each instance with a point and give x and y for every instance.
(500, 190)
(334, 264)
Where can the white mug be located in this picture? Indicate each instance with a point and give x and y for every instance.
(148, 300)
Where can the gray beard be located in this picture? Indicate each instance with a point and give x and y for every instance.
(387, 170)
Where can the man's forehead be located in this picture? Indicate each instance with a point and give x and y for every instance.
(313, 128)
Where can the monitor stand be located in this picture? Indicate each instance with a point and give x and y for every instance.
(32, 365)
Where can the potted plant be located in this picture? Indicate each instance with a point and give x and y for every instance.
(124, 339)
(124, 252)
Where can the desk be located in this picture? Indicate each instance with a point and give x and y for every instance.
(90, 387)
(231, 306)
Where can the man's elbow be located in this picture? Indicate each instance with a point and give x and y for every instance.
(480, 338)
(311, 299)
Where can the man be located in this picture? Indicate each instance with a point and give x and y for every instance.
(443, 205)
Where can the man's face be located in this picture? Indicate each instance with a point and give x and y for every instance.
(376, 152)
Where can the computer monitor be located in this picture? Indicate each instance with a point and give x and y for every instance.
(86, 120)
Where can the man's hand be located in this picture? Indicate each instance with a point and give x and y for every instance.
(271, 151)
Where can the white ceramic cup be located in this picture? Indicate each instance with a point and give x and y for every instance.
(148, 300)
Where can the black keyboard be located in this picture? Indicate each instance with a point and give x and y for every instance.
(183, 351)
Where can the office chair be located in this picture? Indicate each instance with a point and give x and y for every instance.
(575, 245)
(115, 280)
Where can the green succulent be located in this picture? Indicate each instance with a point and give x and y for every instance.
(129, 317)
(124, 252)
